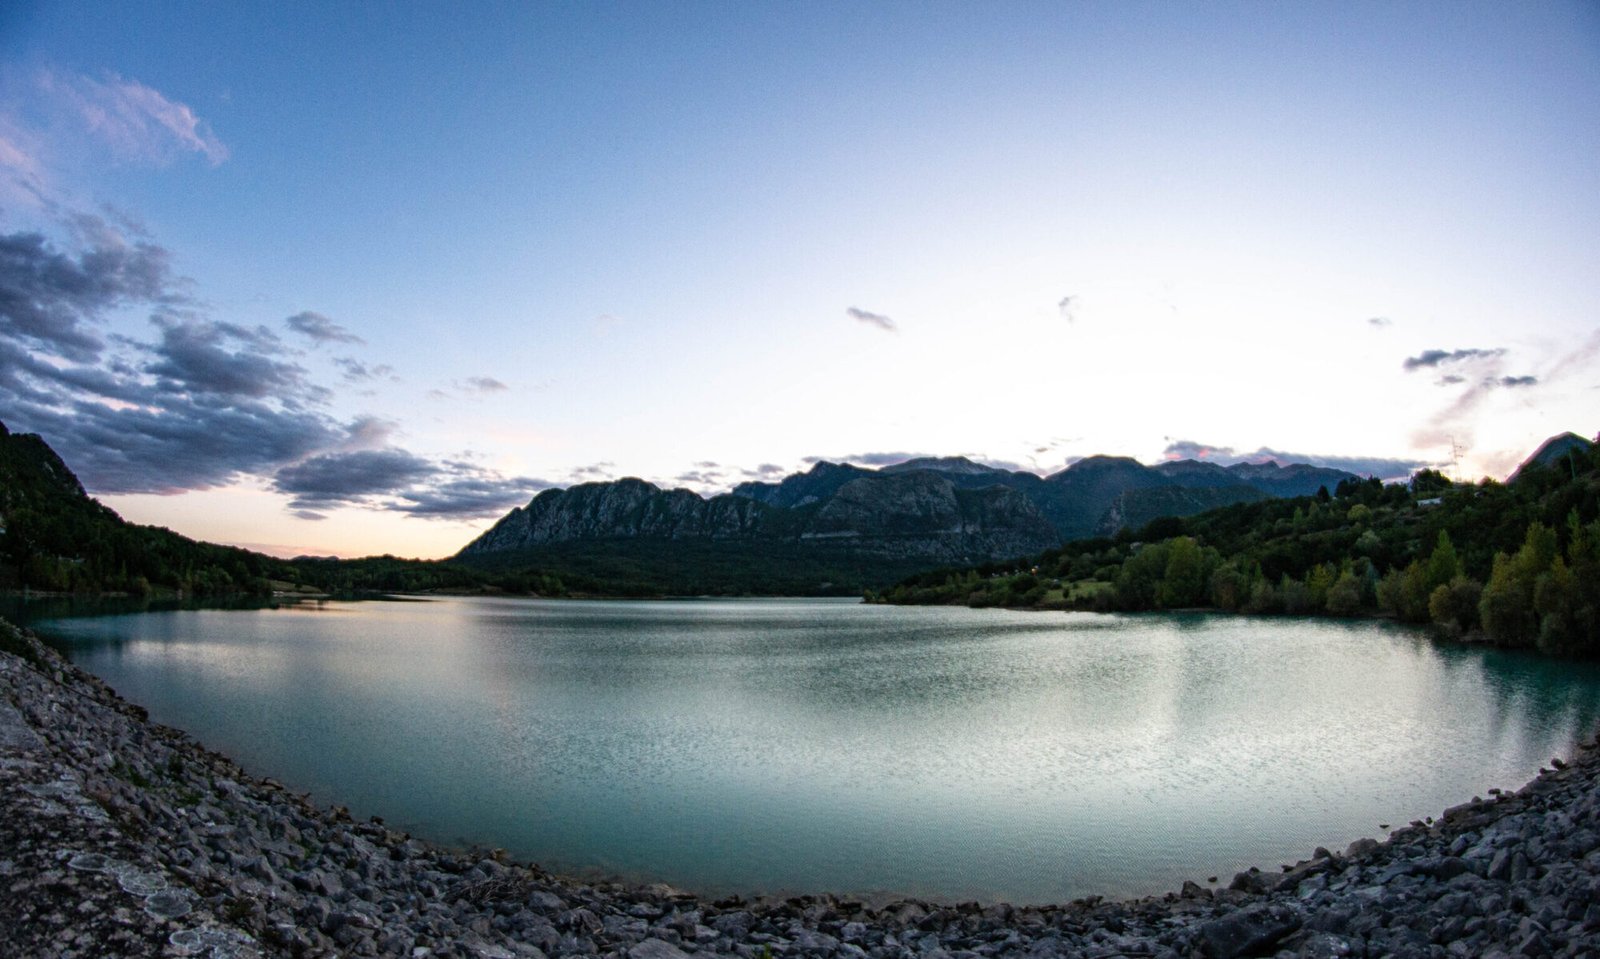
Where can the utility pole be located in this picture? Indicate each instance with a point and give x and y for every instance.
(1455, 461)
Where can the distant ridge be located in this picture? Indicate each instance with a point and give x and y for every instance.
(934, 509)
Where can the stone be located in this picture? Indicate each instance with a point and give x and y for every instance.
(1248, 931)
(656, 949)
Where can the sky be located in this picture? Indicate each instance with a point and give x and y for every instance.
(352, 279)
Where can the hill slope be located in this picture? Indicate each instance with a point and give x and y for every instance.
(1517, 563)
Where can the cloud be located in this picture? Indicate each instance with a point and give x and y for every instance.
(356, 371)
(207, 357)
(202, 403)
(1379, 322)
(136, 122)
(319, 329)
(1430, 359)
(334, 479)
(484, 384)
(867, 459)
(396, 479)
(700, 478)
(1379, 466)
(1068, 307)
(592, 472)
(470, 495)
(875, 319)
(53, 301)
(1512, 382)
(1580, 358)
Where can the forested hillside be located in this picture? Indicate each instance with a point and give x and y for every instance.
(1515, 563)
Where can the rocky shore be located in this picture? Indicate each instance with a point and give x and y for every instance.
(121, 837)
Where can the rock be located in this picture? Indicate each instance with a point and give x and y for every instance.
(1249, 931)
(656, 949)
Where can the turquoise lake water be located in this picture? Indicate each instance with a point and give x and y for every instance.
(823, 745)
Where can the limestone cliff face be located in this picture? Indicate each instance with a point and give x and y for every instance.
(946, 509)
(625, 509)
(924, 514)
(905, 515)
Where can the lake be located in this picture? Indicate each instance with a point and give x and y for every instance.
(824, 745)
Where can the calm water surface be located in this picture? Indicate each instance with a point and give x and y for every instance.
(808, 745)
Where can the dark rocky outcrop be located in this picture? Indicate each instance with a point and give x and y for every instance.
(802, 489)
(1553, 452)
(624, 509)
(917, 514)
(922, 513)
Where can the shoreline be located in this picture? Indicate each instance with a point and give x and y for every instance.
(121, 837)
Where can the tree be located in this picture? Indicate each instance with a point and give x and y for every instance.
(1344, 596)
(1183, 582)
(1454, 607)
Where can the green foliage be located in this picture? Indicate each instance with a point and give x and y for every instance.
(1453, 607)
(1515, 563)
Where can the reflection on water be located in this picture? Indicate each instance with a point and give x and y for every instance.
(792, 745)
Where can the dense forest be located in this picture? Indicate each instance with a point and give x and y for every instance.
(1516, 563)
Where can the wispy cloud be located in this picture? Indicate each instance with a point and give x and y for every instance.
(1379, 322)
(867, 459)
(136, 122)
(1430, 359)
(484, 384)
(872, 319)
(356, 371)
(319, 329)
(1068, 308)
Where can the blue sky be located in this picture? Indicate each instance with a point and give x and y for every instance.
(357, 278)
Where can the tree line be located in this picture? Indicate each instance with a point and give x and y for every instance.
(1515, 564)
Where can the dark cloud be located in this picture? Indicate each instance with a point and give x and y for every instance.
(50, 300)
(1451, 379)
(320, 329)
(472, 496)
(399, 480)
(339, 479)
(204, 403)
(204, 356)
(1512, 382)
(307, 514)
(1429, 359)
(1381, 467)
(875, 319)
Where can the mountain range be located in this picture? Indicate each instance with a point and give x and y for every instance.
(932, 509)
